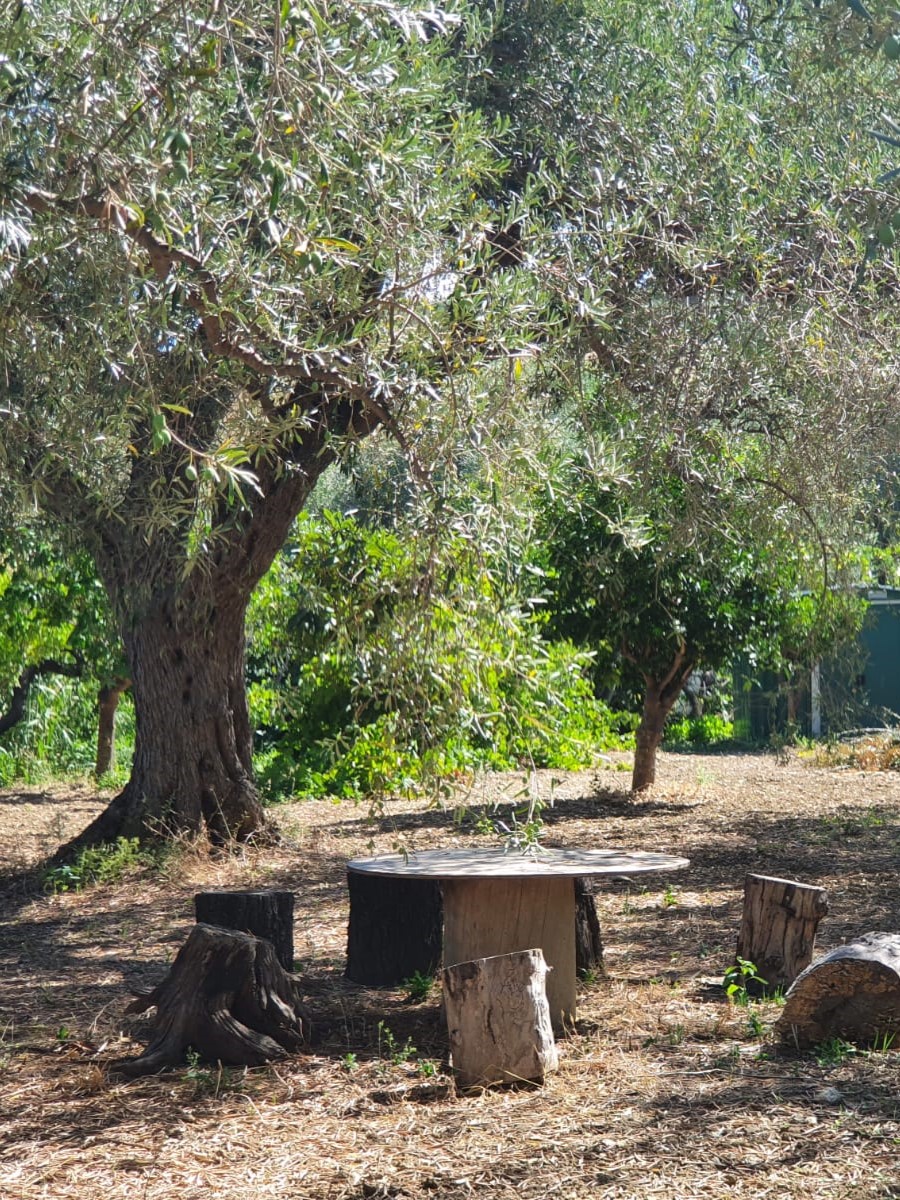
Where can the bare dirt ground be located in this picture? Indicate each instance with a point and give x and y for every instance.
(664, 1088)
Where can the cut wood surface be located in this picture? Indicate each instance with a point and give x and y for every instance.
(498, 1020)
(499, 863)
(853, 992)
(395, 929)
(488, 917)
(227, 997)
(266, 914)
(778, 928)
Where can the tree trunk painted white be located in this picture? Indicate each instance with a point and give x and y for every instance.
(498, 1020)
(853, 992)
(778, 927)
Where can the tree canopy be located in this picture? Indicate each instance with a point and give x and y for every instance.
(236, 243)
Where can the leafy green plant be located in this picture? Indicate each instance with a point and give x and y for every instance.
(392, 1050)
(105, 863)
(709, 730)
(482, 687)
(418, 986)
(349, 1061)
(834, 1052)
(740, 977)
(669, 898)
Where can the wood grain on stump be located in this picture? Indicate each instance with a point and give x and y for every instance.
(489, 917)
(498, 1020)
(853, 992)
(227, 997)
(266, 914)
(778, 928)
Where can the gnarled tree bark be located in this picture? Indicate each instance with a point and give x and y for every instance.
(225, 996)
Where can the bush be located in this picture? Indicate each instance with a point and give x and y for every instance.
(378, 664)
(698, 731)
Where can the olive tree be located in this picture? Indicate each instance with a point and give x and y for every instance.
(234, 242)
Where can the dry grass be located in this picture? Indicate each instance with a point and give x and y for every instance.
(664, 1088)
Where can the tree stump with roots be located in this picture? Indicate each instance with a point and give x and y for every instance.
(852, 992)
(227, 997)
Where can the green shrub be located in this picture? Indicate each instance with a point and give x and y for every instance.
(698, 731)
(373, 669)
(105, 863)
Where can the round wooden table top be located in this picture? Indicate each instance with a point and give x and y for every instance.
(483, 862)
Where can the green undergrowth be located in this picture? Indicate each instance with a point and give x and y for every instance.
(103, 864)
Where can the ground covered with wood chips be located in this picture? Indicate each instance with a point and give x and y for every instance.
(664, 1088)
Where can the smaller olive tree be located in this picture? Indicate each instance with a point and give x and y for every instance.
(664, 604)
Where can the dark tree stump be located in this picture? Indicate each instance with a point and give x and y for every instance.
(267, 914)
(853, 992)
(395, 930)
(588, 940)
(778, 928)
(226, 996)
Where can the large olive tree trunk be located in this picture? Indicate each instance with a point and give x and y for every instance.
(183, 631)
(192, 770)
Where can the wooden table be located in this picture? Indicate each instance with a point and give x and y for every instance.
(498, 901)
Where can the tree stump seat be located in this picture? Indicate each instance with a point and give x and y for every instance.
(498, 1020)
(266, 914)
(778, 929)
(225, 996)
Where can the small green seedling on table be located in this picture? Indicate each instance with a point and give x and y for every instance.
(738, 979)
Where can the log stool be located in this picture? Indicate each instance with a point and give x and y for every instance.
(498, 1020)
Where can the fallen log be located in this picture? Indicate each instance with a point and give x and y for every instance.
(226, 997)
(853, 992)
(498, 1020)
(778, 929)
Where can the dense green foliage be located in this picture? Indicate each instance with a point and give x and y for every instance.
(236, 244)
(382, 662)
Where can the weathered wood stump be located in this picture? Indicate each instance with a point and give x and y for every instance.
(498, 1020)
(227, 997)
(852, 992)
(588, 939)
(778, 929)
(266, 914)
(395, 929)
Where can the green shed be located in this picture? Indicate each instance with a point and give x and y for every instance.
(857, 688)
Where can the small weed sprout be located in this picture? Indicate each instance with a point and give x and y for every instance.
(738, 979)
(389, 1048)
(834, 1052)
(349, 1062)
(418, 987)
(669, 899)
